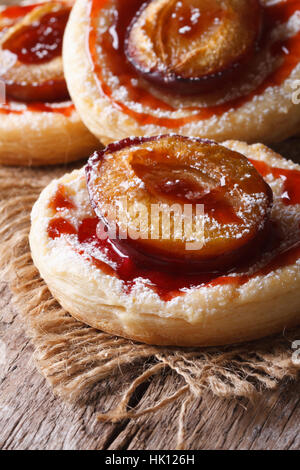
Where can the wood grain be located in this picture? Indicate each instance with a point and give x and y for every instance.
(32, 418)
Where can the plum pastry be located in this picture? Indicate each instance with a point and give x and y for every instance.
(173, 240)
(39, 124)
(221, 69)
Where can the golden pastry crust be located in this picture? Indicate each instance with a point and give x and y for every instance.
(269, 117)
(42, 137)
(206, 315)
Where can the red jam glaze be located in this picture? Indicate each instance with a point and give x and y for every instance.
(61, 200)
(39, 42)
(166, 285)
(291, 181)
(169, 284)
(33, 35)
(15, 12)
(112, 42)
(60, 226)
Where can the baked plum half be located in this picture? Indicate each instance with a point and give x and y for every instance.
(30, 54)
(191, 46)
(179, 202)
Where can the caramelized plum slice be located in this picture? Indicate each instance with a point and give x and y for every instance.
(30, 54)
(174, 201)
(193, 45)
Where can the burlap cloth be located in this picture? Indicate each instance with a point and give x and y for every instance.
(74, 357)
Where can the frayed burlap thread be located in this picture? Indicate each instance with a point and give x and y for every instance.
(74, 357)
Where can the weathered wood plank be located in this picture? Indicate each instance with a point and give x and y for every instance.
(32, 418)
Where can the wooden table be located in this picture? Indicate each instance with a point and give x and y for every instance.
(32, 418)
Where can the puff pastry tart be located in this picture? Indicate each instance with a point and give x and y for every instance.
(222, 69)
(38, 121)
(172, 240)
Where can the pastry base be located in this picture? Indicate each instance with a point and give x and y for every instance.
(203, 316)
(270, 117)
(43, 138)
